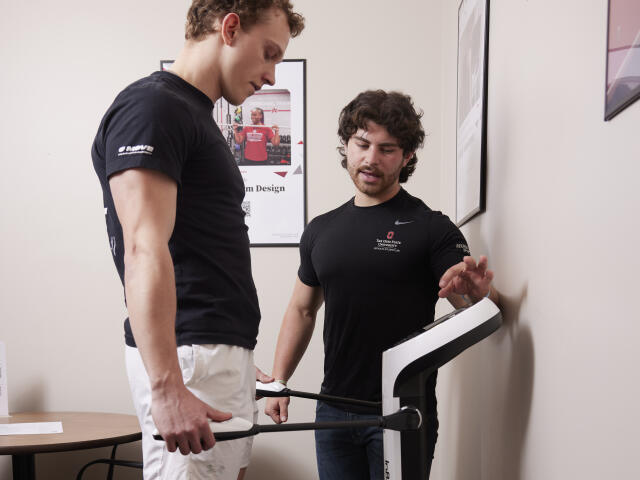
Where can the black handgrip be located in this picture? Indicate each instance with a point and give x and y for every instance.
(407, 418)
(271, 393)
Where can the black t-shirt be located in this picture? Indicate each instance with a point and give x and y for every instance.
(164, 123)
(379, 269)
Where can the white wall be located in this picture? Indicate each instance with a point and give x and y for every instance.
(554, 394)
(61, 306)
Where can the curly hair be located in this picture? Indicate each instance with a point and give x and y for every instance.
(203, 14)
(392, 110)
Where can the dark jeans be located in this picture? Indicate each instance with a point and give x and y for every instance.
(348, 453)
(357, 453)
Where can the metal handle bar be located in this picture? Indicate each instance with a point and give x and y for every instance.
(407, 418)
(318, 396)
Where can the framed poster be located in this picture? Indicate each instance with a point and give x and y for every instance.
(471, 116)
(165, 64)
(267, 136)
(623, 56)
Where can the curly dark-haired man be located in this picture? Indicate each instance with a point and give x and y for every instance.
(172, 195)
(379, 262)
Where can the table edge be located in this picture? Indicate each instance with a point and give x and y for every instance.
(71, 446)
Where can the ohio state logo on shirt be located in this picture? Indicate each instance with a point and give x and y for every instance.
(388, 244)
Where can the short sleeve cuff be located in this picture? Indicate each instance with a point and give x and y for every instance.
(143, 162)
(310, 282)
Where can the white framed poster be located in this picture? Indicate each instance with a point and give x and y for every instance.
(267, 136)
(471, 137)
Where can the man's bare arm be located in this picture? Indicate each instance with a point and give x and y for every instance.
(293, 339)
(145, 202)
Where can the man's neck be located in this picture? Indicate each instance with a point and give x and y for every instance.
(361, 199)
(197, 64)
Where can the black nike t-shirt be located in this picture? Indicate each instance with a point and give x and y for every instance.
(164, 123)
(379, 269)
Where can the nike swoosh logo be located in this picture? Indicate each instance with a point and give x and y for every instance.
(398, 222)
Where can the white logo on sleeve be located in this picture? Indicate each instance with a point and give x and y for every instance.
(464, 248)
(136, 149)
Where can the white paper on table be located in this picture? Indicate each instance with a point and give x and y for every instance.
(4, 397)
(38, 428)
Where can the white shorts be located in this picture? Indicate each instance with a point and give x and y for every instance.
(222, 376)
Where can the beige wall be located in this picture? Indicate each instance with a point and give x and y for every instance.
(553, 395)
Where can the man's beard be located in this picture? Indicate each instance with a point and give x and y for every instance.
(384, 181)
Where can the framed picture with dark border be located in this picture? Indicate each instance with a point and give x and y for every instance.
(165, 64)
(267, 137)
(623, 56)
(471, 115)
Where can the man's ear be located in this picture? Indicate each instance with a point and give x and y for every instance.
(407, 157)
(230, 28)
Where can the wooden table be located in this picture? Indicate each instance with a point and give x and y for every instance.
(80, 430)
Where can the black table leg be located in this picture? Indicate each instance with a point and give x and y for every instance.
(24, 467)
